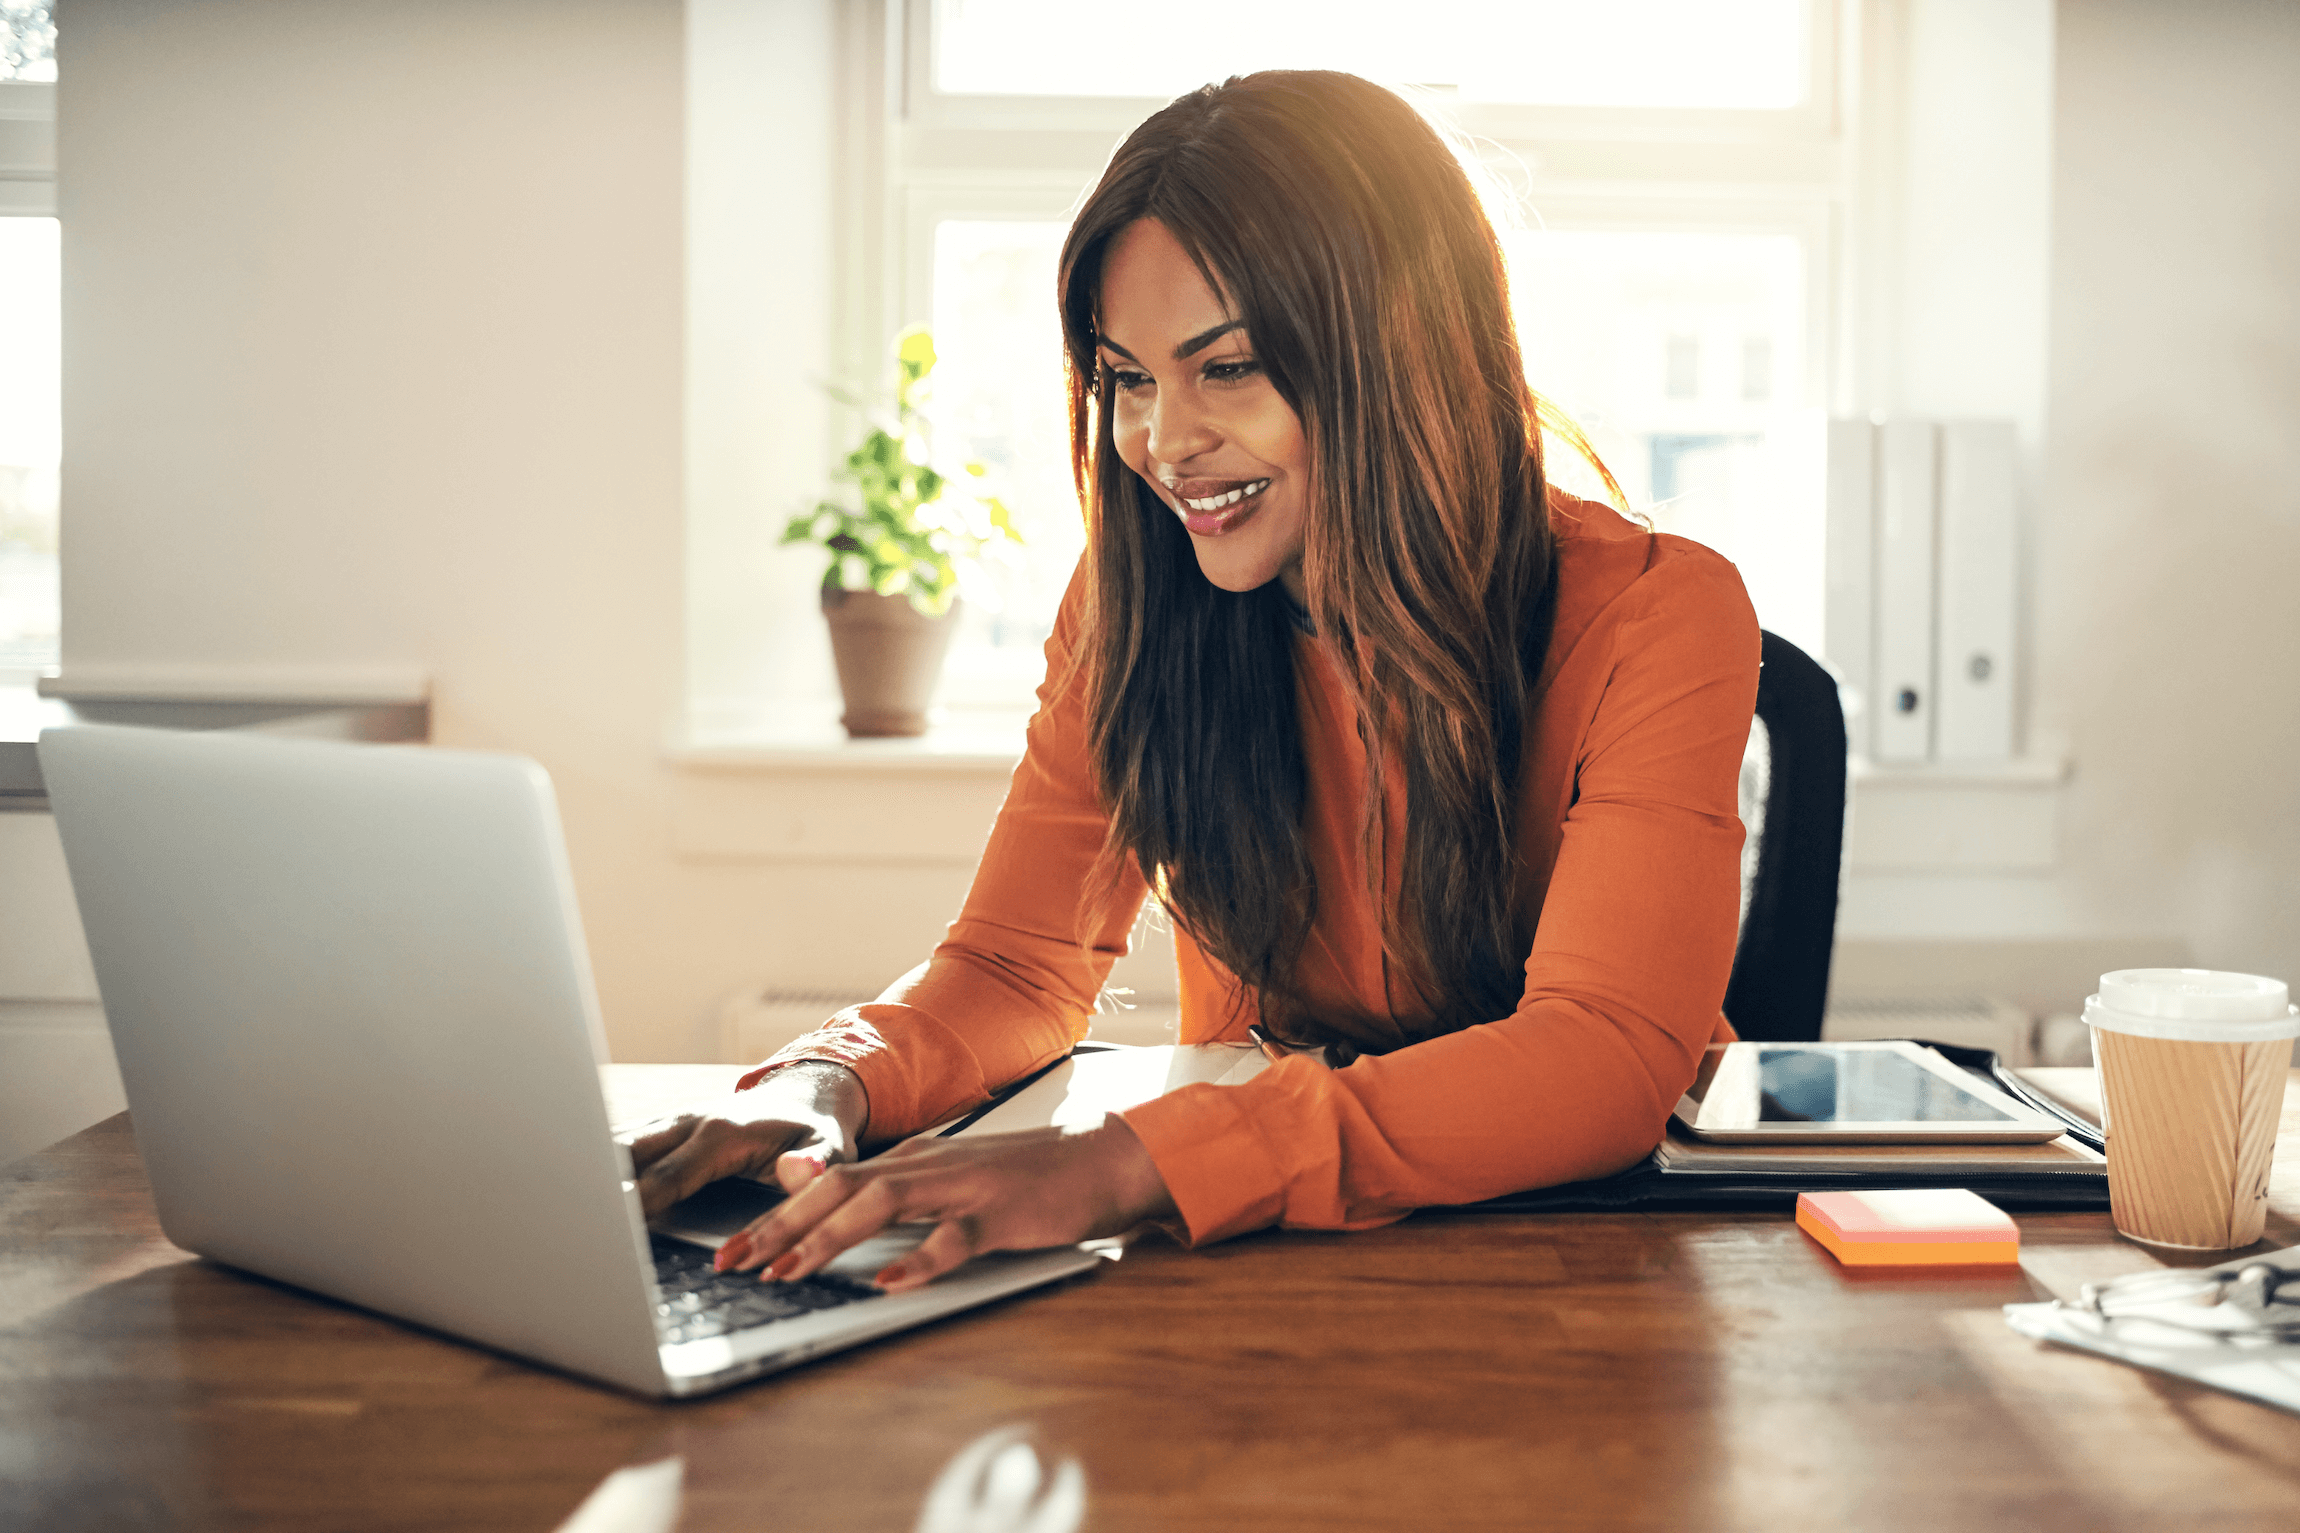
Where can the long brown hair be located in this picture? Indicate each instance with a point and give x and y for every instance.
(1339, 226)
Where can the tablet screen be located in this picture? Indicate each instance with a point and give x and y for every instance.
(1797, 1085)
(1877, 1092)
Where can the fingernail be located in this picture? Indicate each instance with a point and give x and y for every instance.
(732, 1253)
(890, 1275)
(783, 1266)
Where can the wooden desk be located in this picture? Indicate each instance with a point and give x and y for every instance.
(1670, 1371)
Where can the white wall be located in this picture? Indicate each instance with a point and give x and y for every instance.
(374, 359)
(1952, 265)
(2131, 305)
(1974, 213)
(762, 164)
(377, 350)
(57, 1073)
(2168, 633)
(375, 356)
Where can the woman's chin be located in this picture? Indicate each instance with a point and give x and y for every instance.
(1233, 574)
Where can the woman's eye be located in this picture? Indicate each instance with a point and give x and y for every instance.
(1123, 379)
(1232, 369)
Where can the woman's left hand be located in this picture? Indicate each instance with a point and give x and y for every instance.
(999, 1192)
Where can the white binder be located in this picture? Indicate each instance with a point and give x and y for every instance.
(1904, 705)
(1849, 607)
(1979, 496)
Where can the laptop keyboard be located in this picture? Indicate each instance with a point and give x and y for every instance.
(696, 1302)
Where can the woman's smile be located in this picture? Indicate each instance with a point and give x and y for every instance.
(1194, 413)
(1211, 507)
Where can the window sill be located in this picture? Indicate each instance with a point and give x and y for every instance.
(1955, 817)
(795, 789)
(812, 741)
(2023, 772)
(30, 705)
(798, 790)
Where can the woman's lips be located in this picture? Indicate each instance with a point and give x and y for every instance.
(1211, 507)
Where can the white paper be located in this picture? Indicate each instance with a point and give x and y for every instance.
(2254, 1366)
(1079, 1091)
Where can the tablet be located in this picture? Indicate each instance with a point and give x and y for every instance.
(1850, 1093)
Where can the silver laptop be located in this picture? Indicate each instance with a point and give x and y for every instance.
(353, 1011)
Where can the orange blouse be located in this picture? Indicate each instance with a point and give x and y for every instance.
(1629, 847)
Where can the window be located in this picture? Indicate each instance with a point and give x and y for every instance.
(30, 443)
(31, 436)
(1627, 53)
(27, 42)
(1679, 182)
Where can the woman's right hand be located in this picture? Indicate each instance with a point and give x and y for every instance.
(803, 1117)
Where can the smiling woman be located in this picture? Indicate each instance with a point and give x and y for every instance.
(1432, 766)
(1200, 422)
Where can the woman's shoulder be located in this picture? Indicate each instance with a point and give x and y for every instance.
(1611, 569)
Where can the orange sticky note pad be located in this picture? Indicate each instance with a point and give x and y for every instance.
(1916, 1227)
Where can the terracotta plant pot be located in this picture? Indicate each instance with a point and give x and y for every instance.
(889, 657)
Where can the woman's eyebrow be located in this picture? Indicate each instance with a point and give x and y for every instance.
(1187, 349)
(1206, 338)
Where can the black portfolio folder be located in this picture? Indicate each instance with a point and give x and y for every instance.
(1656, 1184)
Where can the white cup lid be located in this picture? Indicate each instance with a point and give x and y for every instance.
(2195, 995)
(2203, 1005)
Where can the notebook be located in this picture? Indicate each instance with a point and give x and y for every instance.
(2067, 1172)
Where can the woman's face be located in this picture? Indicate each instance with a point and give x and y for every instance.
(1196, 416)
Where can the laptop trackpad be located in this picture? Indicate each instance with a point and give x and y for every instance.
(726, 1206)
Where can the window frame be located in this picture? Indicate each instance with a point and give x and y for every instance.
(27, 149)
(942, 156)
(916, 156)
(1816, 119)
(27, 190)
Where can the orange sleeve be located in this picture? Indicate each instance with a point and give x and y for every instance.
(1622, 987)
(1012, 985)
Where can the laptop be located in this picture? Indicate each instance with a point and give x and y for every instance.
(353, 1010)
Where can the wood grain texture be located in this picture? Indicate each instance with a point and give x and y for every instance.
(1665, 1371)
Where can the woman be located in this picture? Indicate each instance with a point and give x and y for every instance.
(1317, 518)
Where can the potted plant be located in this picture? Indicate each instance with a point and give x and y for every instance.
(898, 564)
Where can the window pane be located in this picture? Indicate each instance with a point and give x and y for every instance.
(1680, 355)
(27, 41)
(998, 387)
(31, 440)
(1630, 53)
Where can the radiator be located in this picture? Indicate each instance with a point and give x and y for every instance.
(1974, 1022)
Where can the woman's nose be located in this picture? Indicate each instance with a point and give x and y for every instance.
(1179, 427)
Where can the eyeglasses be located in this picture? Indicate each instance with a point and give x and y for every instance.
(2259, 1299)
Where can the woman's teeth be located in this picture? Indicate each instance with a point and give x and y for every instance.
(1217, 502)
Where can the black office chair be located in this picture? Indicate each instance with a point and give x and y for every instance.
(1780, 983)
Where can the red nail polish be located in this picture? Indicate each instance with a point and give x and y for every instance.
(889, 1276)
(782, 1266)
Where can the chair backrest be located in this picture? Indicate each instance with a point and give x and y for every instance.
(1780, 984)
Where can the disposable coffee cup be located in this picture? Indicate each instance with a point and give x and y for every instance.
(2192, 1068)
